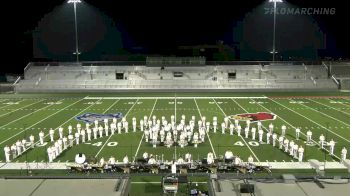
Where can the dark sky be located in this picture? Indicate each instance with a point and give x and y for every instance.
(159, 28)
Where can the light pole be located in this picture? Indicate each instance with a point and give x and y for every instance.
(274, 27)
(77, 53)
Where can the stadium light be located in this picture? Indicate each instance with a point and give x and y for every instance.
(77, 53)
(274, 27)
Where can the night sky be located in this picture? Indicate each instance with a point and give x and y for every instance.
(112, 30)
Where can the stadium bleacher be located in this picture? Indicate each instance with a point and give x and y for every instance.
(101, 77)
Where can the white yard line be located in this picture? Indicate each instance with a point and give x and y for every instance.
(27, 115)
(39, 121)
(343, 103)
(311, 120)
(295, 128)
(328, 106)
(189, 97)
(211, 144)
(65, 121)
(10, 104)
(325, 114)
(240, 136)
(111, 134)
(138, 147)
(21, 107)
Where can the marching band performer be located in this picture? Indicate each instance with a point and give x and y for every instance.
(100, 130)
(51, 132)
(297, 133)
(231, 129)
(95, 130)
(60, 132)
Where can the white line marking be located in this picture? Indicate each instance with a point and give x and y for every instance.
(300, 131)
(39, 122)
(27, 115)
(111, 134)
(21, 107)
(177, 97)
(138, 148)
(241, 135)
(311, 120)
(212, 148)
(325, 114)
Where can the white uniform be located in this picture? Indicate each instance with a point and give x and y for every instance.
(65, 142)
(100, 130)
(141, 125)
(331, 147)
(280, 141)
(297, 133)
(215, 124)
(60, 132)
(70, 129)
(261, 133)
(253, 133)
(51, 132)
(96, 123)
(271, 128)
(19, 147)
(250, 159)
(223, 126)
(82, 133)
(286, 145)
(126, 127)
(14, 151)
(210, 158)
(268, 137)
(343, 154)
(106, 130)
(274, 138)
(226, 121)
(308, 136)
(113, 128)
(126, 159)
(49, 154)
(60, 145)
(295, 151)
(283, 128)
(134, 123)
(291, 145)
(7, 151)
(79, 127)
(105, 121)
(322, 139)
(236, 123)
(259, 125)
(31, 139)
(207, 126)
(77, 135)
(88, 131)
(231, 129)
(247, 122)
(95, 130)
(239, 128)
(24, 143)
(71, 139)
(246, 132)
(301, 154)
(119, 127)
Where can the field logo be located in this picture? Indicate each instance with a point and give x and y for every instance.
(91, 117)
(253, 117)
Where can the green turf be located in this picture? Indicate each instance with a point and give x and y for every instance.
(32, 114)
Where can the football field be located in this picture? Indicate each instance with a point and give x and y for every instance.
(327, 115)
